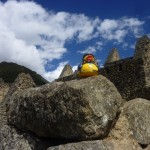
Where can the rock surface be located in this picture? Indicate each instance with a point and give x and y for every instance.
(86, 145)
(22, 82)
(147, 148)
(10, 138)
(121, 136)
(4, 88)
(136, 112)
(77, 109)
(113, 56)
(67, 71)
(98, 145)
(66, 115)
(133, 123)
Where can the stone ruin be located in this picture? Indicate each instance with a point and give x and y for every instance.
(131, 75)
(67, 70)
(90, 113)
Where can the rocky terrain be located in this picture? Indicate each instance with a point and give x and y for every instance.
(79, 114)
(69, 113)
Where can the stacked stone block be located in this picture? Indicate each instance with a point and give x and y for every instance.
(131, 76)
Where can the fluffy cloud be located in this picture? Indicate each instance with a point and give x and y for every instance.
(55, 74)
(33, 36)
(117, 29)
(90, 49)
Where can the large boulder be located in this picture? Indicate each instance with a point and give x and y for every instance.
(121, 136)
(85, 145)
(134, 122)
(77, 109)
(98, 145)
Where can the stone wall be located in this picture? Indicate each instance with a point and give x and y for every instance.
(113, 56)
(127, 75)
(142, 50)
(131, 76)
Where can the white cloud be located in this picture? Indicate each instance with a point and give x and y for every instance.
(55, 73)
(89, 50)
(99, 45)
(111, 29)
(108, 25)
(33, 36)
(132, 22)
(16, 50)
(132, 46)
(148, 35)
(74, 68)
(92, 49)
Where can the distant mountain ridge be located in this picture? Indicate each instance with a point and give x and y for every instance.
(9, 72)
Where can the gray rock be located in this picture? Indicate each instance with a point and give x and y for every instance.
(3, 117)
(11, 139)
(67, 71)
(113, 56)
(4, 88)
(147, 148)
(85, 145)
(121, 136)
(142, 48)
(98, 145)
(136, 112)
(22, 82)
(77, 109)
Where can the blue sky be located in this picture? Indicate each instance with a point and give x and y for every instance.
(45, 35)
